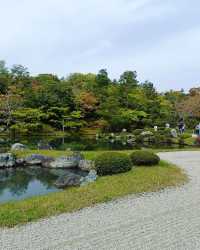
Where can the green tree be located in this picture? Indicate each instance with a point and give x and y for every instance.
(128, 83)
(20, 78)
(4, 77)
(102, 78)
(129, 79)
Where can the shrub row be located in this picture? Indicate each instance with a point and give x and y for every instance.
(115, 162)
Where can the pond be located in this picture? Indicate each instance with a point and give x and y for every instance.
(21, 183)
(75, 142)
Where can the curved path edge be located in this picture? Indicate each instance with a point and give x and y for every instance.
(166, 220)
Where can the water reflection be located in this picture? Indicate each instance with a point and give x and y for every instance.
(76, 142)
(21, 183)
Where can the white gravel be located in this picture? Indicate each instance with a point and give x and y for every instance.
(155, 221)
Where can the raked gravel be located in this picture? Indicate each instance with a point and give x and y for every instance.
(166, 220)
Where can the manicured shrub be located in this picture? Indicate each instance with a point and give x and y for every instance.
(112, 163)
(144, 158)
(186, 136)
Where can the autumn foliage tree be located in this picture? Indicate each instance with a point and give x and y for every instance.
(9, 102)
(190, 106)
(46, 101)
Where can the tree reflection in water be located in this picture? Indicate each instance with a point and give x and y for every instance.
(17, 181)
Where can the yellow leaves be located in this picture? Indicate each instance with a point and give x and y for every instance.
(88, 101)
(191, 104)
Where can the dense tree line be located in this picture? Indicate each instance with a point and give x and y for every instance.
(46, 103)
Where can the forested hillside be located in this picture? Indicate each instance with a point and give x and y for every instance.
(44, 103)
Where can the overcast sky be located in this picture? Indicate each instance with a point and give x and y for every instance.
(160, 39)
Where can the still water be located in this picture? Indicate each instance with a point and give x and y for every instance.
(77, 142)
(21, 183)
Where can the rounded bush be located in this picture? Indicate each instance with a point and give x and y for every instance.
(112, 163)
(144, 158)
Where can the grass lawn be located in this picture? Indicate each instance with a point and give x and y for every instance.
(90, 155)
(138, 180)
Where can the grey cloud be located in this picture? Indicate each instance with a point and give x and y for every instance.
(159, 39)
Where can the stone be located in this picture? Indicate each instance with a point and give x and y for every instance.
(47, 161)
(64, 162)
(67, 161)
(18, 146)
(37, 159)
(146, 133)
(7, 160)
(2, 129)
(91, 177)
(167, 125)
(131, 139)
(86, 165)
(20, 162)
(174, 133)
(68, 181)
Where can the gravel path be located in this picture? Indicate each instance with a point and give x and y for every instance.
(155, 221)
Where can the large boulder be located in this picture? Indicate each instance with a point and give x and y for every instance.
(7, 160)
(66, 161)
(19, 147)
(37, 159)
(86, 165)
(91, 177)
(68, 181)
